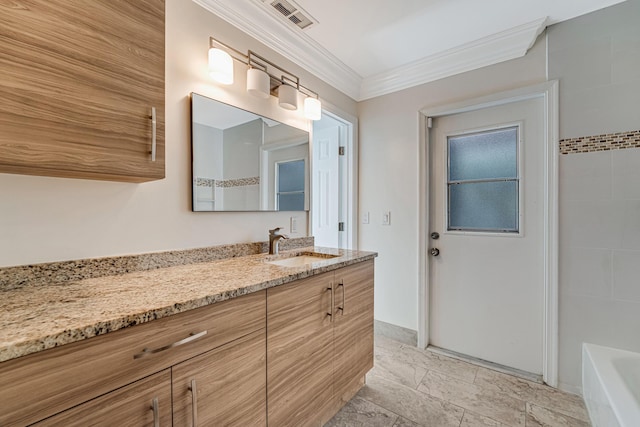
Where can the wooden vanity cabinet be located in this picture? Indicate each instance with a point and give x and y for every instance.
(223, 387)
(352, 329)
(139, 404)
(40, 385)
(300, 351)
(319, 344)
(79, 81)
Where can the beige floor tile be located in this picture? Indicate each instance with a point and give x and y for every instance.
(380, 341)
(403, 422)
(411, 404)
(471, 419)
(436, 362)
(387, 365)
(362, 413)
(538, 416)
(539, 394)
(481, 400)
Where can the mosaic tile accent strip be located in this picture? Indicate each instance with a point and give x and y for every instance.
(65, 271)
(205, 182)
(606, 142)
(240, 182)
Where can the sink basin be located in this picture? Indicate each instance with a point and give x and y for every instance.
(300, 260)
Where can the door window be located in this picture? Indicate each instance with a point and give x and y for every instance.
(483, 183)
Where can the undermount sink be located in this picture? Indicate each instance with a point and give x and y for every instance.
(302, 259)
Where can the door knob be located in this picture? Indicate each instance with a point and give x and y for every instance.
(434, 251)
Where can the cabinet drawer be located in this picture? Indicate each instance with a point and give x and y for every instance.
(42, 384)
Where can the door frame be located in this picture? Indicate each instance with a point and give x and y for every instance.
(549, 92)
(349, 174)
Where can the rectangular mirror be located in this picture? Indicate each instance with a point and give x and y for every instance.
(245, 162)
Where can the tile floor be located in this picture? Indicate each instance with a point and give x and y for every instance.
(410, 388)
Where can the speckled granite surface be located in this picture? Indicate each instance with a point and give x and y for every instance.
(64, 271)
(38, 316)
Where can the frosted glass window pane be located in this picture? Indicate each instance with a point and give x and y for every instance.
(291, 202)
(484, 206)
(291, 176)
(483, 155)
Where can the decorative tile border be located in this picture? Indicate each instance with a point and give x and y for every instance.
(66, 271)
(606, 142)
(240, 182)
(205, 182)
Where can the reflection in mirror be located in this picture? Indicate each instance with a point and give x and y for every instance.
(246, 162)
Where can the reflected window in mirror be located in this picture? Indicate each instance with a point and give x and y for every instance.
(290, 183)
(242, 161)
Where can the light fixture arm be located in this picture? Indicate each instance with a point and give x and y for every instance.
(278, 75)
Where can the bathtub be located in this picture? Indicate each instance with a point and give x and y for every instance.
(611, 386)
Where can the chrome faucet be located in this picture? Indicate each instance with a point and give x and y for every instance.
(274, 240)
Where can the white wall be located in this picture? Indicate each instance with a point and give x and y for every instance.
(389, 173)
(50, 219)
(597, 59)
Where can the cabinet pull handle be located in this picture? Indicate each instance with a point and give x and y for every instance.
(154, 123)
(190, 338)
(330, 312)
(156, 412)
(341, 308)
(194, 403)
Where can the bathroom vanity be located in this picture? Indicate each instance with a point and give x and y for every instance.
(214, 343)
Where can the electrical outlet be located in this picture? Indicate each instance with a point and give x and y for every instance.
(365, 218)
(386, 218)
(293, 226)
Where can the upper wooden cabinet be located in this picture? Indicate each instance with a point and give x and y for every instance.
(79, 81)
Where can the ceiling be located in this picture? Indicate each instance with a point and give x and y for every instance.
(367, 48)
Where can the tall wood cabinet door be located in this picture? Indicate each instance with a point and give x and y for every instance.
(353, 328)
(79, 81)
(223, 387)
(299, 351)
(132, 405)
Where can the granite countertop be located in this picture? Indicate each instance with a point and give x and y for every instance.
(39, 317)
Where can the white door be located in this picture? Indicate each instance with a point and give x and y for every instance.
(486, 175)
(326, 186)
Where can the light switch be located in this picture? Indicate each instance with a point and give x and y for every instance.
(293, 227)
(365, 218)
(386, 218)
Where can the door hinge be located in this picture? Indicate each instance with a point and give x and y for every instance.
(341, 151)
(429, 122)
(341, 226)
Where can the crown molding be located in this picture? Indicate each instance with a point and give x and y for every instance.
(301, 49)
(291, 43)
(510, 44)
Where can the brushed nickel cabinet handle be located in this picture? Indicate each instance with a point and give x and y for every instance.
(194, 403)
(192, 337)
(155, 406)
(330, 312)
(154, 123)
(341, 308)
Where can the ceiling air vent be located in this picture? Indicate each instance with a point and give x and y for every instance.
(289, 11)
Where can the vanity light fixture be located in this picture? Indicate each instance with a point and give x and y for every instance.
(264, 78)
(220, 66)
(312, 108)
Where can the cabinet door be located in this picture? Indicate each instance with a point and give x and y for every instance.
(299, 351)
(353, 328)
(223, 387)
(78, 84)
(132, 405)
